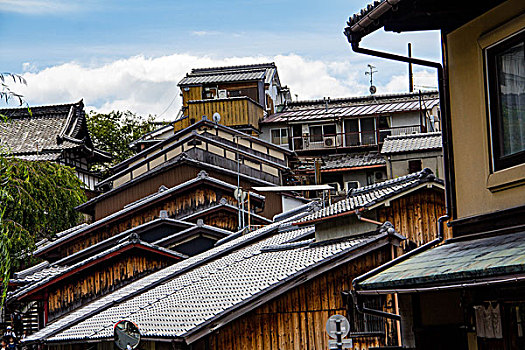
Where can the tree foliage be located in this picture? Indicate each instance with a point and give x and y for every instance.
(113, 132)
(37, 199)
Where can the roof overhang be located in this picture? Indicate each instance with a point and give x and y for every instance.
(411, 15)
(458, 263)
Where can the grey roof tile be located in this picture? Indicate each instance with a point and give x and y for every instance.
(263, 71)
(367, 196)
(353, 107)
(189, 301)
(43, 130)
(139, 294)
(412, 143)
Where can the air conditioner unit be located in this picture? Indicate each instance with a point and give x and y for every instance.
(223, 94)
(349, 185)
(329, 141)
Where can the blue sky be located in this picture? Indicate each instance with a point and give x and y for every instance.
(154, 42)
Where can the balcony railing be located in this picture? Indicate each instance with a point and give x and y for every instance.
(349, 139)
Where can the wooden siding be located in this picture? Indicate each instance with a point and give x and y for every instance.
(415, 215)
(95, 282)
(170, 178)
(177, 207)
(297, 319)
(194, 93)
(239, 111)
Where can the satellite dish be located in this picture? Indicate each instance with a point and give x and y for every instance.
(373, 89)
(216, 117)
(127, 335)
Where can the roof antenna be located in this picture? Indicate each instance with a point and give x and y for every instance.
(372, 89)
(296, 97)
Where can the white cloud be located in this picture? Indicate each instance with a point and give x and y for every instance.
(148, 85)
(38, 6)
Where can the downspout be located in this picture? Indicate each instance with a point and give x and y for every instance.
(448, 189)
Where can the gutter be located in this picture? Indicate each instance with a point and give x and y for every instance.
(447, 150)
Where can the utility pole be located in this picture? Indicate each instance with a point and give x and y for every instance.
(410, 73)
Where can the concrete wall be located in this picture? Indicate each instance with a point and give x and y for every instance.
(480, 190)
(397, 164)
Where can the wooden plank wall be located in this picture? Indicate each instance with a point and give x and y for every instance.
(173, 177)
(196, 200)
(415, 215)
(93, 283)
(296, 319)
(234, 112)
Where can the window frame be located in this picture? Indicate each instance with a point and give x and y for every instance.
(498, 160)
(280, 136)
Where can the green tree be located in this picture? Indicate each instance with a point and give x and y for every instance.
(37, 199)
(113, 132)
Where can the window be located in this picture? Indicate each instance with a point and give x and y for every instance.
(414, 166)
(280, 136)
(506, 90)
(319, 131)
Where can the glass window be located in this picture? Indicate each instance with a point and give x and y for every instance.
(506, 86)
(368, 133)
(316, 133)
(279, 136)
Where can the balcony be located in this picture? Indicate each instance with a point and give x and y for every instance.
(239, 112)
(310, 142)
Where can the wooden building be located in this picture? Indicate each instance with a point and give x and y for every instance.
(273, 288)
(466, 292)
(56, 133)
(241, 95)
(225, 153)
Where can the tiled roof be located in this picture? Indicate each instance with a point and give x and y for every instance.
(368, 196)
(38, 275)
(185, 304)
(353, 107)
(263, 71)
(46, 129)
(456, 261)
(412, 143)
(163, 192)
(56, 271)
(344, 161)
(157, 279)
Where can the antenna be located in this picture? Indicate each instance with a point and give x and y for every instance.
(372, 89)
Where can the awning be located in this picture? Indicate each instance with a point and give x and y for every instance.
(455, 264)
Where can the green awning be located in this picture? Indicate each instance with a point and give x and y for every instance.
(455, 262)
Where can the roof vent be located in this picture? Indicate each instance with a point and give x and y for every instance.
(163, 214)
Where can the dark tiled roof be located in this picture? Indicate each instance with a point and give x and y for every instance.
(43, 129)
(352, 160)
(157, 279)
(57, 271)
(191, 301)
(46, 132)
(39, 274)
(368, 196)
(353, 107)
(412, 143)
(264, 71)
(458, 261)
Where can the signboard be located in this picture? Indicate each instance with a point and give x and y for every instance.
(345, 344)
(331, 326)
